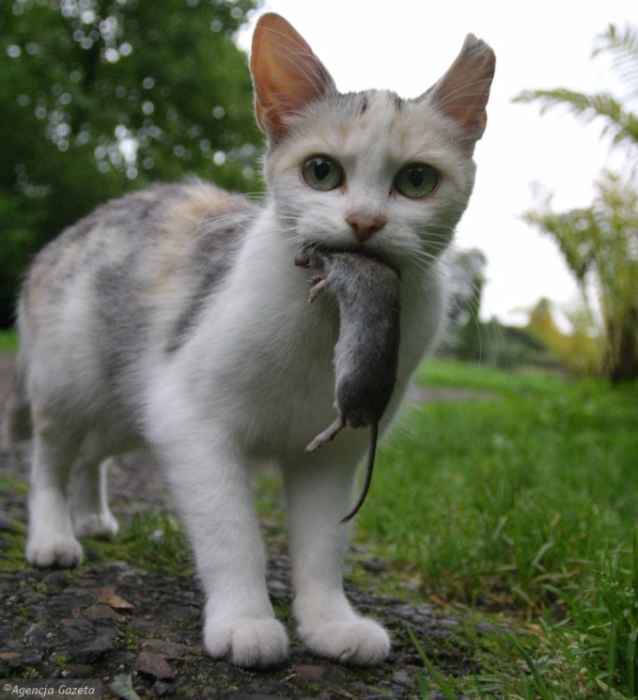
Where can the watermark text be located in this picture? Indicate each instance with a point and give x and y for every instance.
(52, 688)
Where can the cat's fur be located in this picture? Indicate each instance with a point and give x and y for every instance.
(175, 318)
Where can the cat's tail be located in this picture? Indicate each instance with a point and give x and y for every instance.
(16, 420)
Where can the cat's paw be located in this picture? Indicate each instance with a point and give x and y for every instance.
(54, 550)
(247, 642)
(95, 525)
(357, 642)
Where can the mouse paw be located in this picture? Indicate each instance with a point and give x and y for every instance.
(302, 260)
(319, 283)
(328, 434)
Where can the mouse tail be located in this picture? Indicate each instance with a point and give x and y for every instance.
(374, 434)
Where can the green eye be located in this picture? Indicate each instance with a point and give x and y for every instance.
(416, 180)
(322, 173)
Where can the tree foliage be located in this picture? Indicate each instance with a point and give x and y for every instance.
(600, 243)
(100, 96)
(578, 351)
(467, 279)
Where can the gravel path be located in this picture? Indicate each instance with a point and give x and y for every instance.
(139, 631)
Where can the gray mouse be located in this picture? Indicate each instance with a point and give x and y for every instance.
(367, 351)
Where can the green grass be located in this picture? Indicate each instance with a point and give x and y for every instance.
(153, 540)
(8, 341)
(525, 506)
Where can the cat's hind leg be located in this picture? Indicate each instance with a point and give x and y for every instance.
(51, 540)
(89, 500)
(319, 491)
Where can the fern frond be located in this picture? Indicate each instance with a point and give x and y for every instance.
(621, 123)
(622, 45)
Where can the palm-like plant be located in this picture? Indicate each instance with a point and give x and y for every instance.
(601, 242)
(620, 122)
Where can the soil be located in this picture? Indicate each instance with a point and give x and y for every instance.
(138, 633)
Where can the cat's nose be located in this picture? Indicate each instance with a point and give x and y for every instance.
(364, 226)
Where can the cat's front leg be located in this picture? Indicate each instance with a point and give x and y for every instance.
(318, 494)
(209, 480)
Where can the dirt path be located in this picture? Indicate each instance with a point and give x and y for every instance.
(120, 624)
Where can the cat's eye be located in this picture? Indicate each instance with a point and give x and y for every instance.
(322, 173)
(416, 180)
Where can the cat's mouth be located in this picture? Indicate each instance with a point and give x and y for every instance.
(366, 252)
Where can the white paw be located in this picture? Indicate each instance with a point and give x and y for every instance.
(247, 642)
(95, 525)
(358, 642)
(54, 550)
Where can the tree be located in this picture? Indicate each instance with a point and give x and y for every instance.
(578, 352)
(600, 243)
(101, 96)
(467, 279)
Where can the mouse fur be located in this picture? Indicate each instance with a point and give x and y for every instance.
(366, 354)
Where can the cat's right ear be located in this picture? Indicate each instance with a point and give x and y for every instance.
(286, 74)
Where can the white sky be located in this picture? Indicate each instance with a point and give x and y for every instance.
(406, 45)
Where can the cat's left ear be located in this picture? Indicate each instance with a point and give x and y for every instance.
(462, 93)
(286, 74)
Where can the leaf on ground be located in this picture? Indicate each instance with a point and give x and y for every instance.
(122, 686)
(440, 602)
(108, 596)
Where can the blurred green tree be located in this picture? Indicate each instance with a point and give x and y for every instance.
(600, 243)
(101, 96)
(466, 280)
(579, 351)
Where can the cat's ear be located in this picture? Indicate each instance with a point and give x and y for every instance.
(286, 74)
(462, 93)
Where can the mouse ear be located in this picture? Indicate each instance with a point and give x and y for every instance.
(286, 74)
(462, 93)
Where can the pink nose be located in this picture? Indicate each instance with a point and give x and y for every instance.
(365, 226)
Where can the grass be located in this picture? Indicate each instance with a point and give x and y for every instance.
(8, 341)
(153, 540)
(523, 506)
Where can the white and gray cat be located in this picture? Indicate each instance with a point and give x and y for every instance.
(175, 318)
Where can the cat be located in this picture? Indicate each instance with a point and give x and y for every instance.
(175, 318)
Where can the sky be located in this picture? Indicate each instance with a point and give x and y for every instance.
(406, 45)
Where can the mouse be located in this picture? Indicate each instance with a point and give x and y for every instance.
(366, 356)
